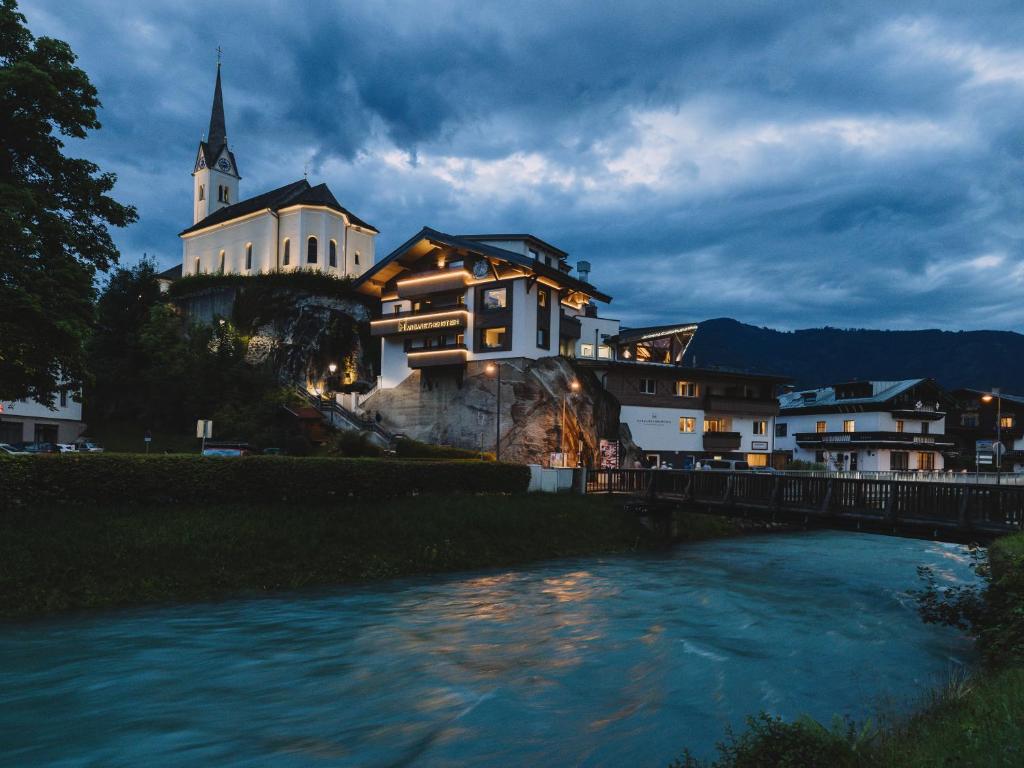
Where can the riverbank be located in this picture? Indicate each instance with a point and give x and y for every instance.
(59, 558)
(976, 721)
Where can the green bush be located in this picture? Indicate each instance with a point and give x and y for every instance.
(306, 280)
(354, 445)
(414, 449)
(101, 479)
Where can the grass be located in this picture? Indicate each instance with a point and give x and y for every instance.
(58, 559)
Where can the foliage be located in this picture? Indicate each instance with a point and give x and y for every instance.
(57, 558)
(770, 742)
(92, 481)
(993, 612)
(353, 444)
(297, 280)
(54, 212)
(414, 449)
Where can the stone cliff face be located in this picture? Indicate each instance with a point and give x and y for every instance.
(299, 333)
(536, 398)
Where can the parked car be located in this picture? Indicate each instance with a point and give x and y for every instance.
(86, 445)
(726, 465)
(227, 449)
(39, 447)
(66, 447)
(10, 450)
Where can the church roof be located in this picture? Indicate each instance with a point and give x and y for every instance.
(217, 137)
(297, 193)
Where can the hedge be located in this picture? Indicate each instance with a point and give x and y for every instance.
(109, 479)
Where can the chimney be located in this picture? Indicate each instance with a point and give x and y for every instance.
(583, 268)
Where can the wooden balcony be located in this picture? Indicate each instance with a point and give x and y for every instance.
(899, 440)
(437, 356)
(721, 442)
(741, 406)
(427, 283)
(420, 322)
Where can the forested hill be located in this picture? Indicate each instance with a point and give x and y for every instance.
(822, 356)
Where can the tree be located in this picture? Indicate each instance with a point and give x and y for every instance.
(54, 212)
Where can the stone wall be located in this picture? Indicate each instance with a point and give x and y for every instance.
(457, 408)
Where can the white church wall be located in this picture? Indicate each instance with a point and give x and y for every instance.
(231, 238)
(362, 243)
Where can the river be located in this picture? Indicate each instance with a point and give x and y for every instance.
(614, 661)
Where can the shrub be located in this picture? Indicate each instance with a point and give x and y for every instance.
(307, 280)
(354, 445)
(109, 479)
(414, 449)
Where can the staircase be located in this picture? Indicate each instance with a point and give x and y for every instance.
(339, 416)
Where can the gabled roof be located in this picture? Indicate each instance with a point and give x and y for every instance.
(627, 335)
(296, 193)
(172, 274)
(1019, 399)
(391, 264)
(528, 238)
(826, 396)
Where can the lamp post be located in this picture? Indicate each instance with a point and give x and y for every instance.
(997, 452)
(574, 387)
(494, 369)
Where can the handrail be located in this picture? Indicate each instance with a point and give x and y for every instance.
(321, 403)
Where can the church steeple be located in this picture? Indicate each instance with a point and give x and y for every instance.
(217, 136)
(215, 172)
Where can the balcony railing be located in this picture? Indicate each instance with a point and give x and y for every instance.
(454, 354)
(879, 439)
(722, 441)
(420, 322)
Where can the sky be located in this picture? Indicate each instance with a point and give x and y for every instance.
(788, 164)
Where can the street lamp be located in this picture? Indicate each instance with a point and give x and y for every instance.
(998, 452)
(494, 369)
(574, 387)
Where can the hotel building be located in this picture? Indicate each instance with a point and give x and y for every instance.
(866, 425)
(679, 414)
(449, 300)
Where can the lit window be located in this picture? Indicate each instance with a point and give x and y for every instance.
(687, 424)
(604, 352)
(495, 299)
(311, 255)
(460, 338)
(687, 389)
(542, 298)
(781, 430)
(714, 425)
(899, 425)
(757, 459)
(493, 338)
(332, 254)
(643, 352)
(586, 350)
(1006, 422)
(287, 252)
(819, 427)
(648, 386)
(926, 461)
(849, 425)
(761, 427)
(248, 255)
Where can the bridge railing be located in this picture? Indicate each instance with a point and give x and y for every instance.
(951, 505)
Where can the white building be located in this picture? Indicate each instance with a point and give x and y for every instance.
(866, 425)
(29, 421)
(297, 226)
(449, 300)
(679, 414)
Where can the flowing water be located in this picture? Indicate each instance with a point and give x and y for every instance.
(618, 661)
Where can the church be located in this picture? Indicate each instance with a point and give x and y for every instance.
(297, 226)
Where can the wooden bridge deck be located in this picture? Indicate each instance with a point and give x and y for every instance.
(941, 510)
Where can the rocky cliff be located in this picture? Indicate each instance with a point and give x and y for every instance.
(450, 408)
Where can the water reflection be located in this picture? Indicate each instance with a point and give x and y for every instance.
(619, 661)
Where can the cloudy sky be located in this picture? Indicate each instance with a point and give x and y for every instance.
(789, 164)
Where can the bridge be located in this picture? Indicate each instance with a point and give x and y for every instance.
(948, 511)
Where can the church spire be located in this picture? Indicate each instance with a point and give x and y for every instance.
(217, 136)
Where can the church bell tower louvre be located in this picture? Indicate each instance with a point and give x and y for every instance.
(215, 175)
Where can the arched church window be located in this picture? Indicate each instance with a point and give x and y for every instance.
(357, 258)
(332, 254)
(202, 192)
(287, 252)
(197, 265)
(221, 262)
(226, 195)
(311, 251)
(248, 255)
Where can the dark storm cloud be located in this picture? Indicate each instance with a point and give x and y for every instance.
(788, 163)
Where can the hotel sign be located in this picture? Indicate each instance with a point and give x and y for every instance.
(411, 325)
